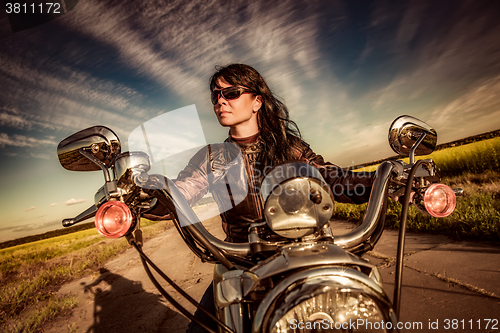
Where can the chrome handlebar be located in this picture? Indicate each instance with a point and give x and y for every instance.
(347, 241)
(373, 211)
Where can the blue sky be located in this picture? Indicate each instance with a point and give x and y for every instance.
(345, 69)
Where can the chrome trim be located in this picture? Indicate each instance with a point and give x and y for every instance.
(404, 133)
(341, 276)
(229, 294)
(229, 290)
(373, 210)
(98, 141)
(130, 164)
(232, 317)
(248, 280)
(302, 255)
(303, 216)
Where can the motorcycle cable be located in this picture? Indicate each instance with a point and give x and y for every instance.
(204, 255)
(402, 234)
(145, 261)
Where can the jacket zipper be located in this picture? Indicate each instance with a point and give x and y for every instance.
(258, 207)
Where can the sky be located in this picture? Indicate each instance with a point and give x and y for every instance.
(345, 70)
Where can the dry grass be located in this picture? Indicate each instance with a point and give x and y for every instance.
(31, 273)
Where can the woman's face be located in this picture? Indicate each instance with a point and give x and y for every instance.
(239, 114)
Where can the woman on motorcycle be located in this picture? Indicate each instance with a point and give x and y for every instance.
(260, 126)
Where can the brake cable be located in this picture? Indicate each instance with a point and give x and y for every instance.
(402, 234)
(145, 261)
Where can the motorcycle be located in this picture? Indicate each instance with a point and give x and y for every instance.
(293, 275)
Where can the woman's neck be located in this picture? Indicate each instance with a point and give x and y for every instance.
(238, 133)
(246, 140)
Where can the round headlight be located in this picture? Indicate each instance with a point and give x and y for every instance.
(336, 310)
(326, 299)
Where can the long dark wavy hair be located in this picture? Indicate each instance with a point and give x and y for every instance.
(277, 131)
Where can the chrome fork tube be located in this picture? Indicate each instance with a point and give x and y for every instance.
(373, 211)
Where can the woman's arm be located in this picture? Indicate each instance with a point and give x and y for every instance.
(192, 182)
(347, 186)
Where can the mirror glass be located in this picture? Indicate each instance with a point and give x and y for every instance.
(99, 141)
(405, 131)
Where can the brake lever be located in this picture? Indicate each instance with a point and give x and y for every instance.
(87, 214)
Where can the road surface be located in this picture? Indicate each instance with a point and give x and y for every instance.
(448, 286)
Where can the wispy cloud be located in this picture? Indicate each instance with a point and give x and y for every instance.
(53, 204)
(477, 109)
(12, 118)
(435, 56)
(28, 209)
(74, 201)
(176, 56)
(63, 98)
(23, 141)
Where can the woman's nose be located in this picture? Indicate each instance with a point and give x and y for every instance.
(221, 100)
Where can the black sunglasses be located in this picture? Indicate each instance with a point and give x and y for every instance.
(229, 93)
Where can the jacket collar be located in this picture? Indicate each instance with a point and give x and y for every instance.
(248, 148)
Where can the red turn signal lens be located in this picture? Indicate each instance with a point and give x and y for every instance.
(439, 200)
(113, 219)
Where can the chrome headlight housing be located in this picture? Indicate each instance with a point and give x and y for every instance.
(331, 299)
(298, 202)
(131, 164)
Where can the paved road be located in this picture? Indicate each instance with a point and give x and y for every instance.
(447, 286)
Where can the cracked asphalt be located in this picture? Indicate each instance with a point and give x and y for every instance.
(448, 286)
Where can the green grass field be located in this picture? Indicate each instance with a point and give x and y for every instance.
(477, 157)
(475, 167)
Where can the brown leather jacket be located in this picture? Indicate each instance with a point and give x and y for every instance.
(230, 172)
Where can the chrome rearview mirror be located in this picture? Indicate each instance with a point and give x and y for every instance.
(411, 136)
(91, 149)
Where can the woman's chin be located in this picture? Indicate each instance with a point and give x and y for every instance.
(225, 122)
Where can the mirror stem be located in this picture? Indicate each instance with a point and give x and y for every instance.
(415, 146)
(99, 163)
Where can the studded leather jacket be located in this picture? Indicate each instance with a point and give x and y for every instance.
(231, 173)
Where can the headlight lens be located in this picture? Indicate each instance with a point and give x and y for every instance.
(336, 310)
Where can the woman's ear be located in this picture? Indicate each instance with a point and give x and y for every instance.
(257, 103)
